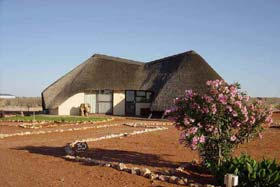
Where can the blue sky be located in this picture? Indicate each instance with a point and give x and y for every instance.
(42, 40)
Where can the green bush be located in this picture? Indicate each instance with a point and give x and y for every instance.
(265, 173)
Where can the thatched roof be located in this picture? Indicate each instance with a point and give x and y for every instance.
(167, 78)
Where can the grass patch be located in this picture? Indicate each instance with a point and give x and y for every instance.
(54, 118)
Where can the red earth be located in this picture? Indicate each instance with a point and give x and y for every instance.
(37, 160)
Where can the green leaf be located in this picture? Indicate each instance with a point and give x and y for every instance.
(262, 173)
(249, 168)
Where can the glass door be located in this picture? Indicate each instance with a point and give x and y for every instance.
(130, 103)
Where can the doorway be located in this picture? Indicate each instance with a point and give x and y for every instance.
(130, 103)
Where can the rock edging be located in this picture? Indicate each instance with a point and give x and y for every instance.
(144, 172)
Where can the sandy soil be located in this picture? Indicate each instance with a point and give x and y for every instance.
(36, 160)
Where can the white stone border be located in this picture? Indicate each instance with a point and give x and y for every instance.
(147, 125)
(56, 131)
(110, 136)
(38, 124)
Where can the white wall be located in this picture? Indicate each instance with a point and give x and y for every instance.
(119, 103)
(141, 105)
(72, 105)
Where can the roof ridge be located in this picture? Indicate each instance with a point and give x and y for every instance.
(178, 54)
(125, 60)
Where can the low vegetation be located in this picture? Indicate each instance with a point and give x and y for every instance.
(251, 172)
(53, 118)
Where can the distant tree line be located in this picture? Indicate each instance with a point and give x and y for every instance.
(22, 101)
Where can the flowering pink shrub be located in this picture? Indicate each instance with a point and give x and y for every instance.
(214, 123)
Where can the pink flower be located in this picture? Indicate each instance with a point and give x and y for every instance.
(233, 138)
(209, 128)
(239, 96)
(238, 104)
(192, 130)
(234, 113)
(232, 100)
(213, 109)
(195, 139)
(189, 93)
(252, 107)
(229, 108)
(202, 139)
(269, 120)
(193, 146)
(233, 90)
(244, 110)
(222, 98)
(236, 124)
(246, 118)
(252, 120)
(186, 121)
(207, 98)
(260, 136)
(205, 110)
(195, 106)
(208, 83)
(226, 90)
(168, 111)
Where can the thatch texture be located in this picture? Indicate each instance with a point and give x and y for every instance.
(167, 78)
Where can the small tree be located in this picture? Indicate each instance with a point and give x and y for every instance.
(214, 123)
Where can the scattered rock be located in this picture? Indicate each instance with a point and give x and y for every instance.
(181, 182)
(209, 185)
(135, 171)
(173, 179)
(121, 166)
(145, 172)
(195, 185)
(154, 176)
(180, 169)
(128, 170)
(185, 180)
(89, 160)
(163, 178)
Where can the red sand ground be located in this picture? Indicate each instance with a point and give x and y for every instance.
(36, 160)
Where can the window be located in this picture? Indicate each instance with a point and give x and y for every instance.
(140, 93)
(143, 97)
(149, 96)
(130, 96)
(138, 96)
